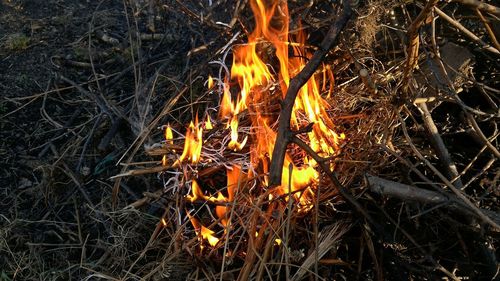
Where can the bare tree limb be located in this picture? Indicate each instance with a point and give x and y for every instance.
(467, 32)
(411, 193)
(456, 191)
(414, 42)
(285, 133)
(484, 7)
(438, 145)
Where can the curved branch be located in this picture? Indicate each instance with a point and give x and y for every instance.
(285, 133)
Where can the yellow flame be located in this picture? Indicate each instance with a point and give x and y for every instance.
(192, 144)
(210, 82)
(204, 232)
(258, 85)
(169, 135)
(208, 123)
(234, 144)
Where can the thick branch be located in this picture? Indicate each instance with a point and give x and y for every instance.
(411, 193)
(284, 132)
(485, 7)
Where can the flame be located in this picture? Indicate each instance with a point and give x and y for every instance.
(208, 123)
(210, 82)
(169, 136)
(208, 234)
(234, 144)
(196, 192)
(205, 233)
(258, 85)
(255, 78)
(192, 144)
(235, 178)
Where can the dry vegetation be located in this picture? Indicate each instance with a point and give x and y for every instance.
(88, 87)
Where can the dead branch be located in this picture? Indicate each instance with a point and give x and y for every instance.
(414, 42)
(490, 31)
(457, 192)
(404, 192)
(285, 134)
(439, 147)
(411, 193)
(485, 7)
(467, 32)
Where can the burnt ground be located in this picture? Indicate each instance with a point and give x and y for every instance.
(82, 81)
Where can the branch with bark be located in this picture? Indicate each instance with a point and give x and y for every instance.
(411, 193)
(285, 133)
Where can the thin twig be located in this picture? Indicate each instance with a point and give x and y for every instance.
(326, 168)
(467, 32)
(439, 146)
(457, 192)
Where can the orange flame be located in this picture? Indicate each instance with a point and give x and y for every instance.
(204, 232)
(258, 83)
(254, 77)
(235, 179)
(210, 82)
(192, 144)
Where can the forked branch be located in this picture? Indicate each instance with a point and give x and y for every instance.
(326, 168)
(285, 134)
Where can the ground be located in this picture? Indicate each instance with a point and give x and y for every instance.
(85, 85)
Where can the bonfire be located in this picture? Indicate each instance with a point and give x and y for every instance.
(218, 167)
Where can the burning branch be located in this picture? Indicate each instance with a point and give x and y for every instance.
(285, 134)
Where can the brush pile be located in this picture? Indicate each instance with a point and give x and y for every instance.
(301, 140)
